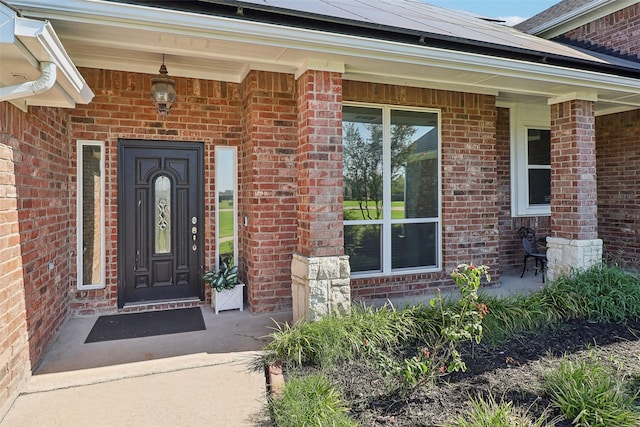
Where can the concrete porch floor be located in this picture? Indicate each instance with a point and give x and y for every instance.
(198, 378)
(201, 378)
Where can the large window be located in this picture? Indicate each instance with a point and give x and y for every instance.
(90, 214)
(391, 189)
(531, 160)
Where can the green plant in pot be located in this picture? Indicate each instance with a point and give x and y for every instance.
(225, 278)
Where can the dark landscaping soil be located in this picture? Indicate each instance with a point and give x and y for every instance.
(511, 372)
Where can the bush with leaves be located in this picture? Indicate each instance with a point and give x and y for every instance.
(459, 323)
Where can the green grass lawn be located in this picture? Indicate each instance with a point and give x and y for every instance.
(352, 210)
(226, 223)
(225, 204)
(356, 214)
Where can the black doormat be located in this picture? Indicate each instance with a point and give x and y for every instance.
(147, 324)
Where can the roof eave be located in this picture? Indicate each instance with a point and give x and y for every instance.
(326, 44)
(38, 45)
(578, 17)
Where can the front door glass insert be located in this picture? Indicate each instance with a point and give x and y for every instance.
(163, 214)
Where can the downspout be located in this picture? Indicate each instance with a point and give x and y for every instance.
(45, 82)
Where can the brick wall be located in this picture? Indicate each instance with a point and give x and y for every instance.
(511, 251)
(573, 171)
(469, 182)
(15, 367)
(618, 163)
(207, 111)
(268, 188)
(319, 163)
(619, 31)
(35, 246)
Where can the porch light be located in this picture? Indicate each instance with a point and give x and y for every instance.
(163, 92)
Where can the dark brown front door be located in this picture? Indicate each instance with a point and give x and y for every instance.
(160, 220)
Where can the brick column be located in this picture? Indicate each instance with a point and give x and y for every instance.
(320, 270)
(574, 222)
(267, 196)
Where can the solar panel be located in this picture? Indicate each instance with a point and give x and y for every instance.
(416, 17)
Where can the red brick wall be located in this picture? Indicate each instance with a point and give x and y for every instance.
(511, 251)
(469, 182)
(268, 188)
(207, 111)
(618, 163)
(573, 171)
(618, 31)
(319, 163)
(14, 348)
(35, 246)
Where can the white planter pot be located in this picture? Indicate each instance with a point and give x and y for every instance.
(228, 299)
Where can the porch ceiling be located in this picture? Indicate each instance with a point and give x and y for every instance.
(133, 38)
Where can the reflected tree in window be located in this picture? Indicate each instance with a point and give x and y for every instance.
(391, 188)
(363, 169)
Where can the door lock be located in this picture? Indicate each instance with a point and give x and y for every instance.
(194, 234)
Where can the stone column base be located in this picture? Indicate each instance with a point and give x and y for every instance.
(319, 286)
(565, 255)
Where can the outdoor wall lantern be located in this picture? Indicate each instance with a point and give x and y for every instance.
(163, 92)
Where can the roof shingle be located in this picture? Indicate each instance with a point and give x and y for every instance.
(553, 12)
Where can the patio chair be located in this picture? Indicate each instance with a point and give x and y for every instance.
(530, 245)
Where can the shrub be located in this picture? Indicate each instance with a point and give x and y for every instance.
(339, 337)
(452, 325)
(488, 412)
(309, 401)
(602, 293)
(589, 395)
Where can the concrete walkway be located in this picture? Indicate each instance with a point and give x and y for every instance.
(193, 379)
(202, 378)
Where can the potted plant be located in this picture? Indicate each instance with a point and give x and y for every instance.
(226, 288)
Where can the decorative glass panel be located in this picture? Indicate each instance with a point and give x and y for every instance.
(162, 215)
(92, 214)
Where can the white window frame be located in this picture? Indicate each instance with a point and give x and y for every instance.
(524, 117)
(387, 221)
(79, 216)
(234, 151)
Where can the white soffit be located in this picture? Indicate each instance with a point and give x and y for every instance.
(127, 37)
(36, 69)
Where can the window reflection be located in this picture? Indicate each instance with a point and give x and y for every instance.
(414, 164)
(539, 161)
(92, 217)
(363, 243)
(226, 230)
(362, 163)
(391, 188)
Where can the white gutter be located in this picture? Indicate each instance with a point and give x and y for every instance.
(40, 47)
(45, 82)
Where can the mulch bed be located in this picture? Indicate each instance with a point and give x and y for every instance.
(511, 372)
